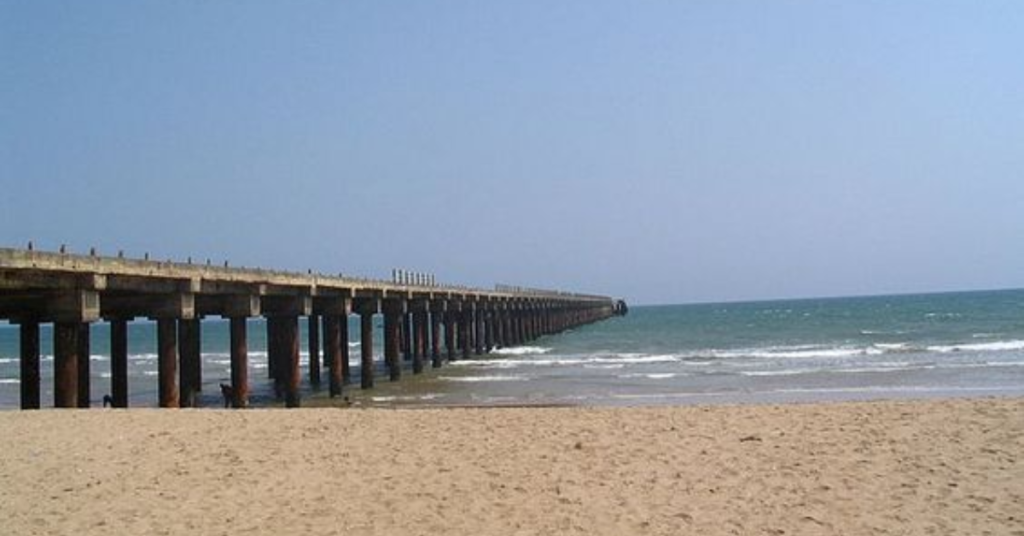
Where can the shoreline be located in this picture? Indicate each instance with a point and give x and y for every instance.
(952, 466)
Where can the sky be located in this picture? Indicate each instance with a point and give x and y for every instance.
(661, 151)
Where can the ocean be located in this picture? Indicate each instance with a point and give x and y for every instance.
(912, 346)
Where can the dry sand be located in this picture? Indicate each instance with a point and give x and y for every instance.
(934, 467)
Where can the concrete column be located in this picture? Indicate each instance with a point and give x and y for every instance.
(478, 330)
(190, 370)
(314, 349)
(65, 364)
(406, 334)
(366, 338)
(167, 361)
(290, 347)
(84, 368)
(465, 332)
(332, 352)
(119, 362)
(510, 332)
(450, 327)
(393, 319)
(272, 363)
(488, 330)
(274, 351)
(435, 339)
(343, 355)
(419, 342)
(29, 349)
(239, 362)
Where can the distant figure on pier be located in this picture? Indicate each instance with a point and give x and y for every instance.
(228, 393)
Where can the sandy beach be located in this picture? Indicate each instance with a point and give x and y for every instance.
(928, 467)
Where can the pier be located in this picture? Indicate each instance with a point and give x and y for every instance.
(425, 323)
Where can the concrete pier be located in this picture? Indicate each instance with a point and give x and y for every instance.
(422, 320)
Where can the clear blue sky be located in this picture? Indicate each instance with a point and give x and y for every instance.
(665, 151)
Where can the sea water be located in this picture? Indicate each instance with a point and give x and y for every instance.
(935, 345)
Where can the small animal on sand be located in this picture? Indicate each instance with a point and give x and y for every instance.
(108, 401)
(228, 393)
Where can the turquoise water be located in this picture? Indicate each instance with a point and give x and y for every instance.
(937, 345)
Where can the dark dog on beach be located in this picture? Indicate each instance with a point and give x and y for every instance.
(108, 401)
(228, 393)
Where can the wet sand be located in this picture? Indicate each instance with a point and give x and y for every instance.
(913, 467)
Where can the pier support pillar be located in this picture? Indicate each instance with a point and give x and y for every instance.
(488, 330)
(190, 369)
(29, 339)
(406, 331)
(167, 361)
(479, 331)
(343, 357)
(436, 312)
(290, 355)
(466, 330)
(314, 350)
(239, 362)
(84, 365)
(332, 352)
(419, 335)
(119, 362)
(450, 327)
(334, 311)
(65, 364)
(395, 320)
(366, 308)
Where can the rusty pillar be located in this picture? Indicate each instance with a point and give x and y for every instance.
(119, 362)
(366, 349)
(465, 333)
(272, 363)
(406, 334)
(84, 368)
(167, 361)
(393, 341)
(332, 352)
(521, 326)
(488, 330)
(435, 339)
(450, 326)
(65, 364)
(29, 349)
(274, 351)
(314, 350)
(478, 331)
(190, 368)
(239, 362)
(343, 356)
(506, 326)
(419, 335)
(290, 355)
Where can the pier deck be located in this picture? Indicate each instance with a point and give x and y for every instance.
(420, 317)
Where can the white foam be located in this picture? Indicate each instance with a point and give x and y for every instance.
(522, 350)
(802, 352)
(998, 346)
(783, 372)
(8, 360)
(652, 376)
(475, 379)
(10, 381)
